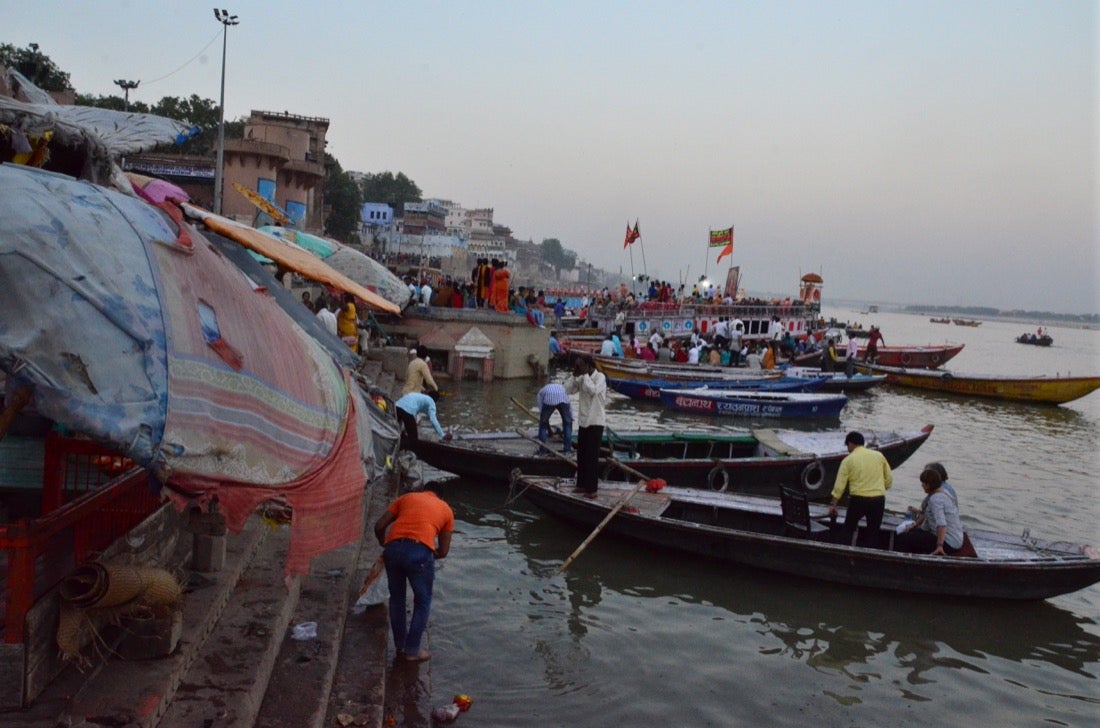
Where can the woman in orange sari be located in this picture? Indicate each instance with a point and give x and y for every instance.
(501, 277)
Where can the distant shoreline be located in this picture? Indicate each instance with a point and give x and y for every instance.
(1049, 319)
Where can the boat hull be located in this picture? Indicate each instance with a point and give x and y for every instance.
(650, 389)
(914, 357)
(739, 463)
(753, 537)
(744, 403)
(1040, 390)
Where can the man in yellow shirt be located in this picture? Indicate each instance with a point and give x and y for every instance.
(866, 476)
(418, 375)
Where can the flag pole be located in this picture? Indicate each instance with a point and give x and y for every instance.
(632, 278)
(706, 264)
(645, 271)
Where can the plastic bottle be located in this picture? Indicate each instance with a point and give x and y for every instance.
(445, 714)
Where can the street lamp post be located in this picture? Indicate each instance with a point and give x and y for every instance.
(126, 86)
(226, 20)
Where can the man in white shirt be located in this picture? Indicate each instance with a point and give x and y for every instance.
(850, 355)
(326, 317)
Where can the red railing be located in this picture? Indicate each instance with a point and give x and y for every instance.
(85, 507)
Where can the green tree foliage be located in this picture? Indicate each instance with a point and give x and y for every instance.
(557, 256)
(35, 65)
(392, 190)
(344, 200)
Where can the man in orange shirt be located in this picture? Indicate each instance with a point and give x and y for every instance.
(414, 531)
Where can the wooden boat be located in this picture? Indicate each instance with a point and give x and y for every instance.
(651, 388)
(966, 322)
(854, 333)
(750, 403)
(1035, 340)
(620, 368)
(916, 357)
(753, 531)
(745, 462)
(1044, 390)
(835, 381)
(940, 321)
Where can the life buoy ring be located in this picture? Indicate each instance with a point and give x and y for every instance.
(813, 476)
(718, 479)
(906, 359)
(935, 358)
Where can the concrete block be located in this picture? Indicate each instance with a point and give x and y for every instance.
(208, 553)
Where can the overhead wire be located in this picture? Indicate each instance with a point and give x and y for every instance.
(185, 63)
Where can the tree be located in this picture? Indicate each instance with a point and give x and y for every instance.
(392, 190)
(35, 65)
(557, 256)
(344, 201)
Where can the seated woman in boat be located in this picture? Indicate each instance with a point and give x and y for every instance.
(938, 530)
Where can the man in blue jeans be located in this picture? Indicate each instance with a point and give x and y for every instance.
(554, 397)
(414, 531)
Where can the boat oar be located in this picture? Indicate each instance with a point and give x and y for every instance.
(596, 532)
(529, 413)
(643, 481)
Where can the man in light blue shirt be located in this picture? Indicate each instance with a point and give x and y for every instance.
(411, 405)
(554, 397)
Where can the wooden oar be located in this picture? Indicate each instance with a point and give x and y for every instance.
(644, 479)
(532, 415)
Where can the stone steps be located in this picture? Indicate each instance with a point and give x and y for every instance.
(236, 663)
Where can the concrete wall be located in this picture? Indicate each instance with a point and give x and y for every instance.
(515, 340)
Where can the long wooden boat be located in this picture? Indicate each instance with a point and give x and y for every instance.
(750, 403)
(620, 368)
(651, 388)
(940, 321)
(744, 462)
(1044, 390)
(751, 531)
(966, 322)
(835, 381)
(916, 357)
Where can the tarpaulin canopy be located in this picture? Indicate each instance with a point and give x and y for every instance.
(133, 329)
(291, 257)
(358, 266)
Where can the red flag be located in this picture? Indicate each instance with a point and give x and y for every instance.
(631, 235)
(728, 250)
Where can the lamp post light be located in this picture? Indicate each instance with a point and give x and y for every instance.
(126, 86)
(226, 20)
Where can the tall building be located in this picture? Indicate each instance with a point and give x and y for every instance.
(281, 157)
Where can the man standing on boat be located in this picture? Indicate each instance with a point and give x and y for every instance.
(850, 355)
(866, 476)
(553, 397)
(874, 338)
(591, 385)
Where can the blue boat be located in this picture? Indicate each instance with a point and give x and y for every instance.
(651, 388)
(749, 403)
(835, 381)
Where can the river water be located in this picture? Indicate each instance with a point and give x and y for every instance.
(634, 636)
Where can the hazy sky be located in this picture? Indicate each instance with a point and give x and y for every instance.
(907, 151)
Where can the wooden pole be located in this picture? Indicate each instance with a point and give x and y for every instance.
(643, 480)
(529, 413)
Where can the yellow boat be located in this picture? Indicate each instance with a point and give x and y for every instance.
(1046, 390)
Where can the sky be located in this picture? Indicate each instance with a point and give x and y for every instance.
(909, 152)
